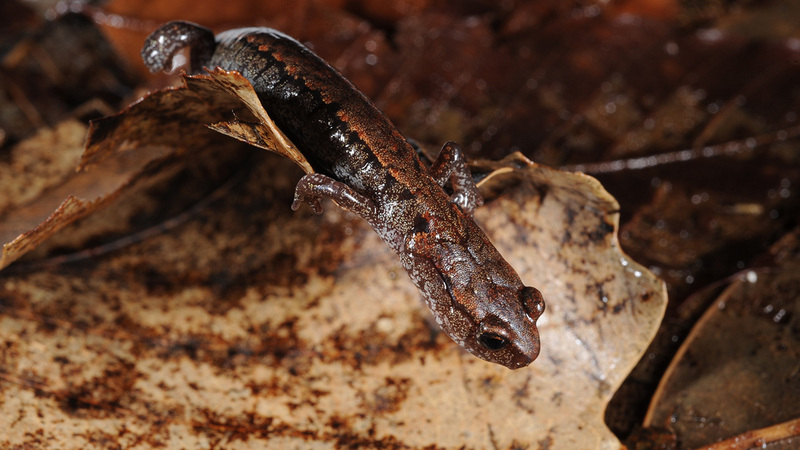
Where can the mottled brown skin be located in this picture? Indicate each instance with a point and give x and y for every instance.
(365, 165)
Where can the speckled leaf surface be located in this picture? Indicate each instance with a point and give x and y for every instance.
(256, 326)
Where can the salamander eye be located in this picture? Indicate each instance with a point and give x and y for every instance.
(492, 334)
(492, 341)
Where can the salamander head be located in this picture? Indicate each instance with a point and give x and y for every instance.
(480, 301)
(498, 320)
(509, 337)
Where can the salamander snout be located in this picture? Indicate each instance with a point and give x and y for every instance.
(510, 337)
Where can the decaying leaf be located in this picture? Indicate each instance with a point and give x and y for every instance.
(299, 330)
(119, 149)
(261, 131)
(48, 201)
(338, 355)
(239, 327)
(745, 344)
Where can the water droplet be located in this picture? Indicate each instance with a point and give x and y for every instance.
(751, 276)
(671, 48)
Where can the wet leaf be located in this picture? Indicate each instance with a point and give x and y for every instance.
(737, 370)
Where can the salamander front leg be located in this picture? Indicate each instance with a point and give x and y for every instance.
(314, 187)
(452, 165)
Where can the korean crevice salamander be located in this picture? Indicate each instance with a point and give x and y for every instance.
(364, 164)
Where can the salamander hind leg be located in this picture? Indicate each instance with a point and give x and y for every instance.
(314, 187)
(452, 165)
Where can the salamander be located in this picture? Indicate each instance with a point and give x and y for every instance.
(364, 164)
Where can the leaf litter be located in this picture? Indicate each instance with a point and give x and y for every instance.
(326, 340)
(588, 93)
(746, 342)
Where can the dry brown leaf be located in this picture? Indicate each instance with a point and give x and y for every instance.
(49, 201)
(261, 131)
(737, 370)
(140, 18)
(119, 149)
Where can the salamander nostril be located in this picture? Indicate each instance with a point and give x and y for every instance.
(420, 225)
(532, 302)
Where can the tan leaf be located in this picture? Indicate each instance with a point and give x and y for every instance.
(326, 343)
